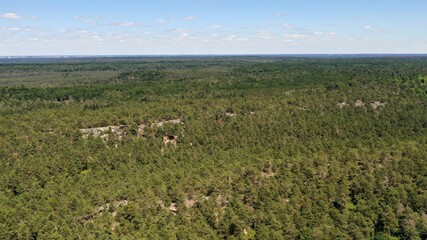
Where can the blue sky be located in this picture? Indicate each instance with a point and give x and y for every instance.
(112, 27)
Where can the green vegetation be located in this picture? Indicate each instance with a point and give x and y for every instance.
(267, 148)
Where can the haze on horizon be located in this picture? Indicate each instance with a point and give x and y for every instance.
(166, 27)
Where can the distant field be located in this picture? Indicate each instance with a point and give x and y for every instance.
(273, 147)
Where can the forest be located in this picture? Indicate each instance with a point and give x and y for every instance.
(238, 147)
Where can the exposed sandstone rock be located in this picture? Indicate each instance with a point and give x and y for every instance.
(122, 130)
(376, 104)
(170, 139)
(103, 132)
(189, 202)
(100, 210)
(342, 104)
(172, 206)
(359, 103)
(142, 127)
(228, 114)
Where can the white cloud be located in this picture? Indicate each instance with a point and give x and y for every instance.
(215, 26)
(235, 38)
(229, 38)
(189, 18)
(173, 19)
(176, 30)
(242, 39)
(11, 16)
(97, 38)
(10, 29)
(295, 36)
(87, 20)
(122, 44)
(266, 35)
(288, 26)
(205, 38)
(125, 24)
(374, 29)
(161, 20)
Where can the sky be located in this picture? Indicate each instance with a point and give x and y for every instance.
(174, 27)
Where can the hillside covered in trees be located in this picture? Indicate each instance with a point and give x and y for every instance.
(214, 148)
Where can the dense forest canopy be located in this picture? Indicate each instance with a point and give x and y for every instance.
(214, 148)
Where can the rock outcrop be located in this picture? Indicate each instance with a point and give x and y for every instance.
(103, 132)
(121, 131)
(359, 103)
(108, 208)
(377, 104)
(170, 139)
(142, 127)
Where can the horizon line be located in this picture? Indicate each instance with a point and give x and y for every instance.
(201, 55)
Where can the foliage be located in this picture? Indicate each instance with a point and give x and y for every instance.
(268, 148)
